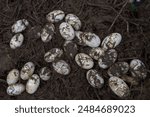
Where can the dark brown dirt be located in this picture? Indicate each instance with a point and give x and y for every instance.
(97, 16)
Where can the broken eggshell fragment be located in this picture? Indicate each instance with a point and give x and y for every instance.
(27, 70)
(55, 16)
(138, 69)
(111, 41)
(95, 53)
(16, 41)
(66, 31)
(53, 54)
(33, 84)
(118, 69)
(74, 21)
(12, 77)
(45, 73)
(61, 67)
(19, 26)
(107, 59)
(70, 48)
(84, 61)
(119, 87)
(87, 39)
(94, 78)
(47, 32)
(15, 89)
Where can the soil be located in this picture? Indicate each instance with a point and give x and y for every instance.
(99, 16)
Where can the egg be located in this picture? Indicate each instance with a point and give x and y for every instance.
(12, 77)
(95, 53)
(35, 32)
(15, 89)
(70, 48)
(119, 87)
(107, 59)
(47, 32)
(118, 69)
(84, 61)
(111, 41)
(61, 67)
(55, 16)
(19, 26)
(138, 69)
(33, 84)
(94, 78)
(131, 80)
(53, 55)
(16, 41)
(66, 31)
(74, 21)
(45, 73)
(87, 39)
(27, 70)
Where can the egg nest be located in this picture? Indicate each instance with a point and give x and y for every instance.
(99, 16)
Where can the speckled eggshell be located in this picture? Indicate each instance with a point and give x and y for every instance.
(84, 61)
(61, 67)
(74, 21)
(119, 87)
(45, 73)
(88, 39)
(107, 59)
(47, 32)
(16, 41)
(95, 53)
(111, 41)
(15, 89)
(27, 70)
(66, 31)
(70, 48)
(12, 77)
(55, 16)
(19, 26)
(94, 78)
(33, 84)
(53, 55)
(138, 69)
(131, 80)
(118, 69)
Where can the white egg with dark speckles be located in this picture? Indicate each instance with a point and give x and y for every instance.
(45, 73)
(87, 39)
(15, 89)
(47, 32)
(95, 53)
(70, 48)
(94, 78)
(107, 59)
(118, 69)
(27, 70)
(13, 77)
(33, 84)
(138, 69)
(84, 61)
(119, 87)
(66, 31)
(16, 41)
(111, 41)
(55, 16)
(61, 67)
(74, 21)
(19, 25)
(53, 55)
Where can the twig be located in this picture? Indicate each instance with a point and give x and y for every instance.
(118, 15)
